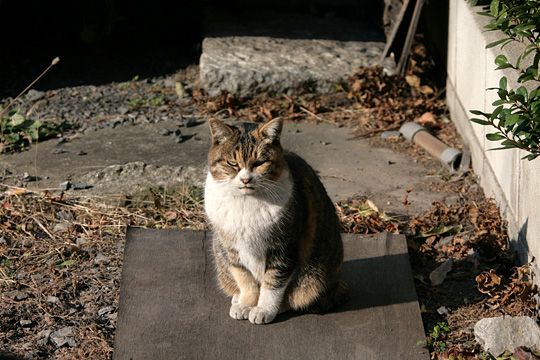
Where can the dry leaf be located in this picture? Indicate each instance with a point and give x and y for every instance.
(413, 81)
(487, 281)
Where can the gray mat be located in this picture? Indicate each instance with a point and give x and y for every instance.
(170, 307)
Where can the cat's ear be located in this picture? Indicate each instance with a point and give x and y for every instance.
(272, 129)
(220, 131)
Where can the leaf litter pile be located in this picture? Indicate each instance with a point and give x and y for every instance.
(60, 256)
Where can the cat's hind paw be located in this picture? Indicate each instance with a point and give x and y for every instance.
(239, 311)
(259, 315)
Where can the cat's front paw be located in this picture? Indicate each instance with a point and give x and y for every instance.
(239, 311)
(262, 315)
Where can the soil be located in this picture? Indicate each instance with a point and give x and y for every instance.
(61, 251)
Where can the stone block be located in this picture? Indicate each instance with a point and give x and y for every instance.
(246, 65)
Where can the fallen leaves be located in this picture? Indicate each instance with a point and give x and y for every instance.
(361, 216)
(369, 102)
(487, 281)
(60, 261)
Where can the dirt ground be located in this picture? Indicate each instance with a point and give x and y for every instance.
(61, 244)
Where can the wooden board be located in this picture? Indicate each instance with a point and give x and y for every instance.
(170, 307)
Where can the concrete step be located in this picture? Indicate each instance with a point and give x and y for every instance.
(279, 52)
(170, 307)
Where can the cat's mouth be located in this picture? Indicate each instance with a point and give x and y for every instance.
(247, 189)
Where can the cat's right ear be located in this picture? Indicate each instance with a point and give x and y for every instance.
(220, 131)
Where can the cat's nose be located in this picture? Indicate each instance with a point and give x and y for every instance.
(246, 180)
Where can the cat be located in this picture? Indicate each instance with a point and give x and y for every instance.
(277, 244)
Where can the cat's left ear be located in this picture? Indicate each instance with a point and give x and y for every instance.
(220, 131)
(272, 129)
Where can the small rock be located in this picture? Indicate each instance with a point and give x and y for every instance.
(179, 138)
(390, 135)
(16, 295)
(80, 241)
(438, 275)
(44, 333)
(443, 310)
(27, 243)
(499, 334)
(4, 241)
(34, 95)
(81, 153)
(43, 336)
(64, 215)
(28, 178)
(62, 140)
(180, 90)
(63, 336)
(25, 322)
(105, 310)
(123, 110)
(80, 186)
(61, 227)
(53, 299)
(166, 132)
(59, 151)
(449, 200)
(101, 259)
(190, 122)
(21, 295)
(66, 185)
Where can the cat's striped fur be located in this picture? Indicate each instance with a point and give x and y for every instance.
(277, 243)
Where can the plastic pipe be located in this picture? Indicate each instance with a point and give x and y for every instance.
(455, 160)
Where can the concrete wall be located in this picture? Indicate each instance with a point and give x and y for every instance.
(513, 182)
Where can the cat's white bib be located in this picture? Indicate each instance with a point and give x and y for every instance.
(246, 218)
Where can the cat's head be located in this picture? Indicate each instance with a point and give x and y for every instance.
(247, 161)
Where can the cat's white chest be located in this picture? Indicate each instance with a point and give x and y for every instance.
(247, 221)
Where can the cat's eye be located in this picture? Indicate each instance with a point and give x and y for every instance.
(232, 163)
(259, 163)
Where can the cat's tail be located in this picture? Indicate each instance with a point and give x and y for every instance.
(334, 297)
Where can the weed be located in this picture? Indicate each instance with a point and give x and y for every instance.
(156, 101)
(18, 132)
(436, 339)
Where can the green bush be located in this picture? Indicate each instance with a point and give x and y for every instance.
(516, 117)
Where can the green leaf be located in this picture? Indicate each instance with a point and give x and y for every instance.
(480, 121)
(495, 136)
(496, 112)
(494, 7)
(441, 230)
(531, 157)
(511, 120)
(495, 43)
(69, 262)
(501, 60)
(478, 112)
(523, 92)
(17, 119)
(503, 83)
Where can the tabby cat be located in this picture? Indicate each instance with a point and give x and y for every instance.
(277, 243)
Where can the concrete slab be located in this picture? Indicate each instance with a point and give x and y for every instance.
(170, 307)
(277, 52)
(347, 167)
